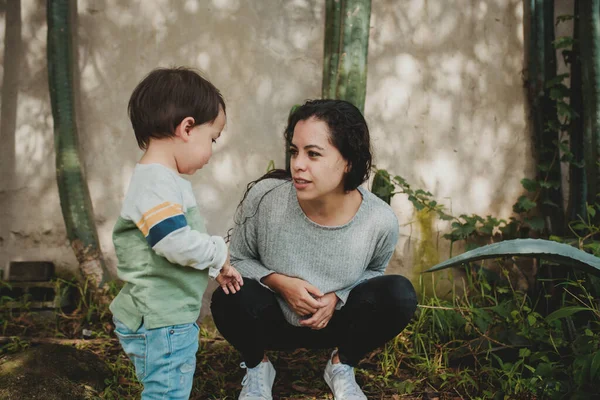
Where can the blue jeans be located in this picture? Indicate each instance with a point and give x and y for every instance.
(164, 358)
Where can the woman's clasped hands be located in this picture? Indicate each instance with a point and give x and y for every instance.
(304, 299)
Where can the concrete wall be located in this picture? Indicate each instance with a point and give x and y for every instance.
(445, 104)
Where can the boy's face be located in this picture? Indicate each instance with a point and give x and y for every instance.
(196, 152)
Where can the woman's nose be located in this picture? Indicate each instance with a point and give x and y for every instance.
(298, 163)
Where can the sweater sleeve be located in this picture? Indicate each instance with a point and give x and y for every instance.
(244, 250)
(157, 210)
(381, 257)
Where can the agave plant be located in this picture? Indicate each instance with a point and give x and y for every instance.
(543, 249)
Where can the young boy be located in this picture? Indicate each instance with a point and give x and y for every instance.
(165, 256)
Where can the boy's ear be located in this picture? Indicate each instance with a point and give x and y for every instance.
(184, 128)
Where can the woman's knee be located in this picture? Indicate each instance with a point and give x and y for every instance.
(391, 292)
(250, 297)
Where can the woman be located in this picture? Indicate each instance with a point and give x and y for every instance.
(313, 246)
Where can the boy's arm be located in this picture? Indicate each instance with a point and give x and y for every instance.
(158, 213)
(191, 248)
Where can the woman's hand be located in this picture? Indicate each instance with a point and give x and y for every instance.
(320, 319)
(299, 294)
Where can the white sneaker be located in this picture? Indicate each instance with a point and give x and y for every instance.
(340, 378)
(258, 382)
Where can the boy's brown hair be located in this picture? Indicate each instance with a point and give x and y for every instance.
(168, 95)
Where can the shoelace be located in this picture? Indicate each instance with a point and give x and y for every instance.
(253, 380)
(348, 383)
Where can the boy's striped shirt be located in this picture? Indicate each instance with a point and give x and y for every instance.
(160, 221)
(157, 202)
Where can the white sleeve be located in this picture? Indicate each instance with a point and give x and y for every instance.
(157, 211)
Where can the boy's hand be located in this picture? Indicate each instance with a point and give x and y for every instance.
(229, 279)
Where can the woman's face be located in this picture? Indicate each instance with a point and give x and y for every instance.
(317, 167)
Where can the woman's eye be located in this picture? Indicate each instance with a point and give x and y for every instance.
(293, 152)
(313, 154)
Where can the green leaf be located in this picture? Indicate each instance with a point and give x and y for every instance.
(536, 223)
(556, 80)
(544, 370)
(523, 204)
(559, 91)
(550, 203)
(544, 167)
(382, 187)
(271, 165)
(563, 42)
(592, 211)
(563, 18)
(565, 110)
(550, 184)
(529, 184)
(400, 180)
(559, 253)
(595, 366)
(445, 217)
(552, 126)
(593, 246)
(524, 352)
(565, 312)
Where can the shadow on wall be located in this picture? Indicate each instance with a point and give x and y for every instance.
(446, 103)
(445, 83)
(444, 100)
(118, 43)
(26, 154)
(256, 53)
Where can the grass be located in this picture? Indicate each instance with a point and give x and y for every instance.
(218, 374)
(486, 342)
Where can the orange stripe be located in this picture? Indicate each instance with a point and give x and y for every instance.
(154, 209)
(155, 215)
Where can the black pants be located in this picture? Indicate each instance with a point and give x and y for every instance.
(375, 312)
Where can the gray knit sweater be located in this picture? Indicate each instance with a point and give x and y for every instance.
(272, 234)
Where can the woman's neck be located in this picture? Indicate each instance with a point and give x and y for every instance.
(334, 210)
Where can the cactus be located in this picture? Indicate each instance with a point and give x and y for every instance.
(74, 195)
(577, 178)
(590, 68)
(541, 70)
(345, 51)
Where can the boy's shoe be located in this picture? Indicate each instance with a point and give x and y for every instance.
(258, 382)
(340, 378)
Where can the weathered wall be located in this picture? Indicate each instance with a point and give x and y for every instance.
(445, 105)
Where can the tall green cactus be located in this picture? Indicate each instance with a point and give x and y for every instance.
(577, 177)
(590, 67)
(75, 199)
(542, 69)
(346, 49)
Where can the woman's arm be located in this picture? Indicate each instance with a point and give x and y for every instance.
(381, 257)
(243, 248)
(302, 297)
(245, 257)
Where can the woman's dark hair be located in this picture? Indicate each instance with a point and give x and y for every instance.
(348, 132)
(168, 95)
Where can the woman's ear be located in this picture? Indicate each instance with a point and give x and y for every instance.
(348, 167)
(184, 128)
